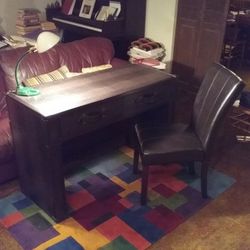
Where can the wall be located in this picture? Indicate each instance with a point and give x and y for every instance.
(41, 5)
(9, 9)
(8, 13)
(160, 24)
(160, 19)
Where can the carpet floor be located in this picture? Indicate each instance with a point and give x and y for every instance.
(105, 213)
(224, 223)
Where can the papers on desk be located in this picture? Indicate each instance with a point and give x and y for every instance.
(13, 42)
(3, 44)
(16, 41)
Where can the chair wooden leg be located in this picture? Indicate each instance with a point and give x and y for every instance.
(191, 168)
(204, 170)
(136, 161)
(144, 185)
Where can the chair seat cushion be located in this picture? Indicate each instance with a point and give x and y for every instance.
(165, 144)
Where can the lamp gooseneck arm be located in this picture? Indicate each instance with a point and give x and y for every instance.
(18, 84)
(45, 41)
(20, 89)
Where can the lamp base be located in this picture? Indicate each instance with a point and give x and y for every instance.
(27, 91)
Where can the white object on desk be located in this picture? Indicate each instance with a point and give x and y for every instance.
(3, 44)
(14, 41)
(117, 6)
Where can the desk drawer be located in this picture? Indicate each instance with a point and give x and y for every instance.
(147, 99)
(90, 118)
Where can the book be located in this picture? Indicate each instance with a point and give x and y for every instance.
(149, 62)
(142, 54)
(68, 7)
(30, 16)
(28, 22)
(28, 28)
(48, 26)
(153, 52)
(23, 30)
(28, 11)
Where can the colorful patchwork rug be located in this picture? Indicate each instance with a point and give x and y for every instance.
(105, 211)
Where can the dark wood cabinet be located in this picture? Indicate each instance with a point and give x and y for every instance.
(130, 24)
(199, 36)
(239, 5)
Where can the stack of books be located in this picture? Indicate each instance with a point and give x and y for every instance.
(148, 52)
(28, 20)
(48, 26)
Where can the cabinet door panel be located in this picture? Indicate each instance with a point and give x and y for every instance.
(211, 35)
(186, 37)
(199, 36)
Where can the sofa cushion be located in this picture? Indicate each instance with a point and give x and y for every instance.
(33, 64)
(6, 147)
(3, 105)
(62, 73)
(8, 171)
(54, 75)
(89, 52)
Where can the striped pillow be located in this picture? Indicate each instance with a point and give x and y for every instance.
(96, 68)
(62, 73)
(88, 70)
(57, 74)
(72, 74)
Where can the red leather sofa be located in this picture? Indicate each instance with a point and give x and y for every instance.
(88, 52)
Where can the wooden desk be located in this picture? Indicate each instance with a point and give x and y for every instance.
(69, 108)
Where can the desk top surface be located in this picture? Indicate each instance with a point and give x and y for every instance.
(64, 95)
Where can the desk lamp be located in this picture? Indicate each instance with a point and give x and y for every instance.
(45, 41)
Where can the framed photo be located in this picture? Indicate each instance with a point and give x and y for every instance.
(87, 8)
(105, 12)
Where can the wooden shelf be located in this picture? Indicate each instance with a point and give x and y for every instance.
(112, 28)
(128, 27)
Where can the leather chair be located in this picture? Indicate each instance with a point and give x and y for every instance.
(164, 144)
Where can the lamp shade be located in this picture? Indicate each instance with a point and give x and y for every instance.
(46, 40)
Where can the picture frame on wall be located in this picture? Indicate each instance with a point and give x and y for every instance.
(87, 8)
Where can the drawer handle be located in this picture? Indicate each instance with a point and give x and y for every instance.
(148, 98)
(91, 117)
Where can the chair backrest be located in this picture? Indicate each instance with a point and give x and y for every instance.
(218, 91)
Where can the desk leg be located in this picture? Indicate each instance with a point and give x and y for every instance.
(39, 159)
(170, 111)
(53, 184)
(41, 179)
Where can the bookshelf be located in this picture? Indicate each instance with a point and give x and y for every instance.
(129, 26)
